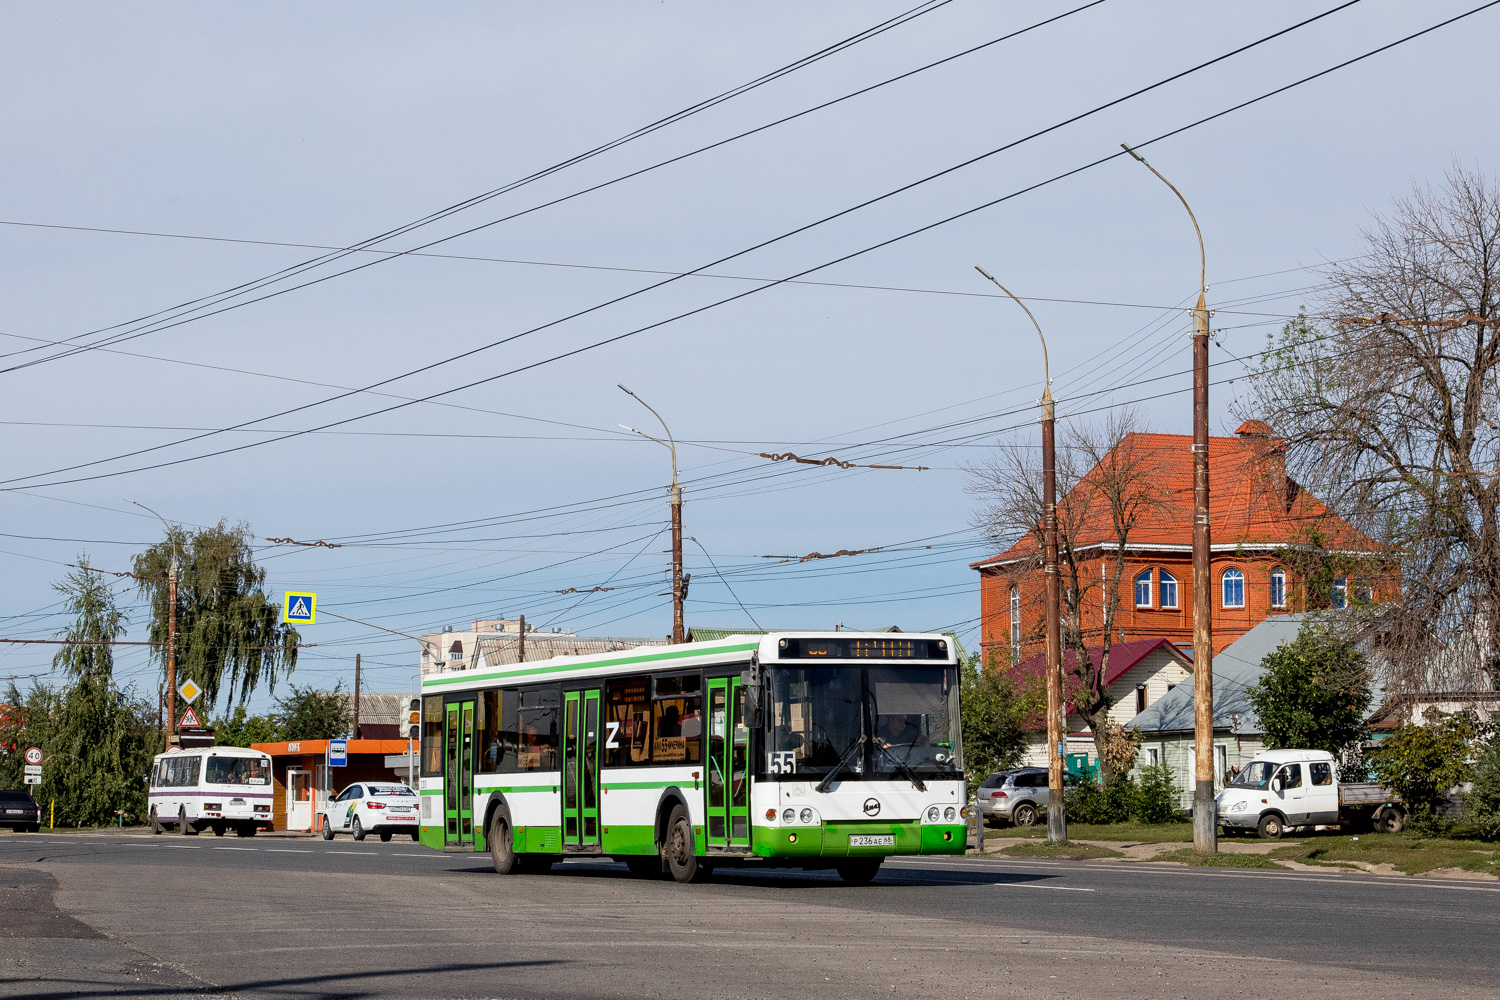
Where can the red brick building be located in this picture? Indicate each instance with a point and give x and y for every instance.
(1275, 549)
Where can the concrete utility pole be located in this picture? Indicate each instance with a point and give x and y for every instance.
(1205, 806)
(1057, 812)
(356, 696)
(172, 573)
(679, 591)
(521, 643)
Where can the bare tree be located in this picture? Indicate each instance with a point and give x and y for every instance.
(1387, 403)
(1109, 479)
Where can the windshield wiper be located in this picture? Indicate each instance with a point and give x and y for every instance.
(904, 769)
(827, 781)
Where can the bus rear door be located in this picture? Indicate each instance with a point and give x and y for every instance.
(728, 804)
(458, 772)
(581, 751)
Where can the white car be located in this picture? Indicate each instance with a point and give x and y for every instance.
(372, 807)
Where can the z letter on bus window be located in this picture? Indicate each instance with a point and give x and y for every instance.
(612, 741)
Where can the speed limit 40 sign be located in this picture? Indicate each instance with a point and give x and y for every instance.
(34, 755)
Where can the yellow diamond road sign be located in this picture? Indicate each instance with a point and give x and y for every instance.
(189, 691)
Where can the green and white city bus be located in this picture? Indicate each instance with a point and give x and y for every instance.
(812, 750)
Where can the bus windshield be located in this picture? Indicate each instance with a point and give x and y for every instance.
(237, 771)
(865, 722)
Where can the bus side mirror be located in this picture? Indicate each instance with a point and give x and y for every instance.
(754, 713)
(752, 682)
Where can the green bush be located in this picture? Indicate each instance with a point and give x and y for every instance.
(1484, 801)
(1110, 803)
(1421, 762)
(1156, 796)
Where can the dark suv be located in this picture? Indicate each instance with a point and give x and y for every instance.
(19, 811)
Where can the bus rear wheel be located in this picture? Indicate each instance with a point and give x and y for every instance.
(502, 851)
(219, 829)
(677, 848)
(861, 871)
(183, 827)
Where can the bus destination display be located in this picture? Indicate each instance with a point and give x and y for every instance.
(863, 648)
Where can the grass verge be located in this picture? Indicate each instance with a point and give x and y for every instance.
(1060, 852)
(1407, 853)
(1189, 856)
(1139, 833)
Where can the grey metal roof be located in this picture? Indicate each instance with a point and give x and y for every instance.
(502, 649)
(1236, 668)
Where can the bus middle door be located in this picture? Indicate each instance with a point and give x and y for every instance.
(458, 772)
(728, 791)
(581, 754)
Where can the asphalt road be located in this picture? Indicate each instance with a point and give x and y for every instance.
(139, 916)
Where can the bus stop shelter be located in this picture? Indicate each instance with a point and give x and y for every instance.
(304, 782)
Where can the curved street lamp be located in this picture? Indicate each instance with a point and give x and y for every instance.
(171, 625)
(1205, 807)
(678, 629)
(1057, 819)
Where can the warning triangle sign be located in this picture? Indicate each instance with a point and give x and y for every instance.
(189, 719)
(298, 609)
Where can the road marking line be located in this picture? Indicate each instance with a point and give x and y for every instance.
(236, 848)
(288, 850)
(1054, 888)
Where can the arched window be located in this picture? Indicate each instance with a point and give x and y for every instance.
(1015, 622)
(1168, 590)
(1341, 592)
(1278, 588)
(1143, 590)
(1234, 588)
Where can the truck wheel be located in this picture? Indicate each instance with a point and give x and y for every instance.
(1390, 821)
(1025, 815)
(1271, 827)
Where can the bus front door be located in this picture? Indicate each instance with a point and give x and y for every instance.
(581, 752)
(728, 804)
(458, 772)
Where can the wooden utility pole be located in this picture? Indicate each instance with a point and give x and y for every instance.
(679, 632)
(1205, 806)
(356, 696)
(172, 652)
(1057, 811)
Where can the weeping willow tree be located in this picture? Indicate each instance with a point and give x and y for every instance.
(97, 740)
(229, 635)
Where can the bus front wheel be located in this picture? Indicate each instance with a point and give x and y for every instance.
(677, 848)
(183, 827)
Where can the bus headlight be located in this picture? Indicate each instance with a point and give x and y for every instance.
(950, 814)
(788, 815)
(933, 814)
(806, 816)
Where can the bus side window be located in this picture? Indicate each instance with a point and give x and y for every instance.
(626, 719)
(432, 735)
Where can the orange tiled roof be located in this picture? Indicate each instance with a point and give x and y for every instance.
(1250, 499)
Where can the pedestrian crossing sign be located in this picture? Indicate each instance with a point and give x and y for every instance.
(300, 609)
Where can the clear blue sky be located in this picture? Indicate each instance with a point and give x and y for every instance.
(297, 124)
